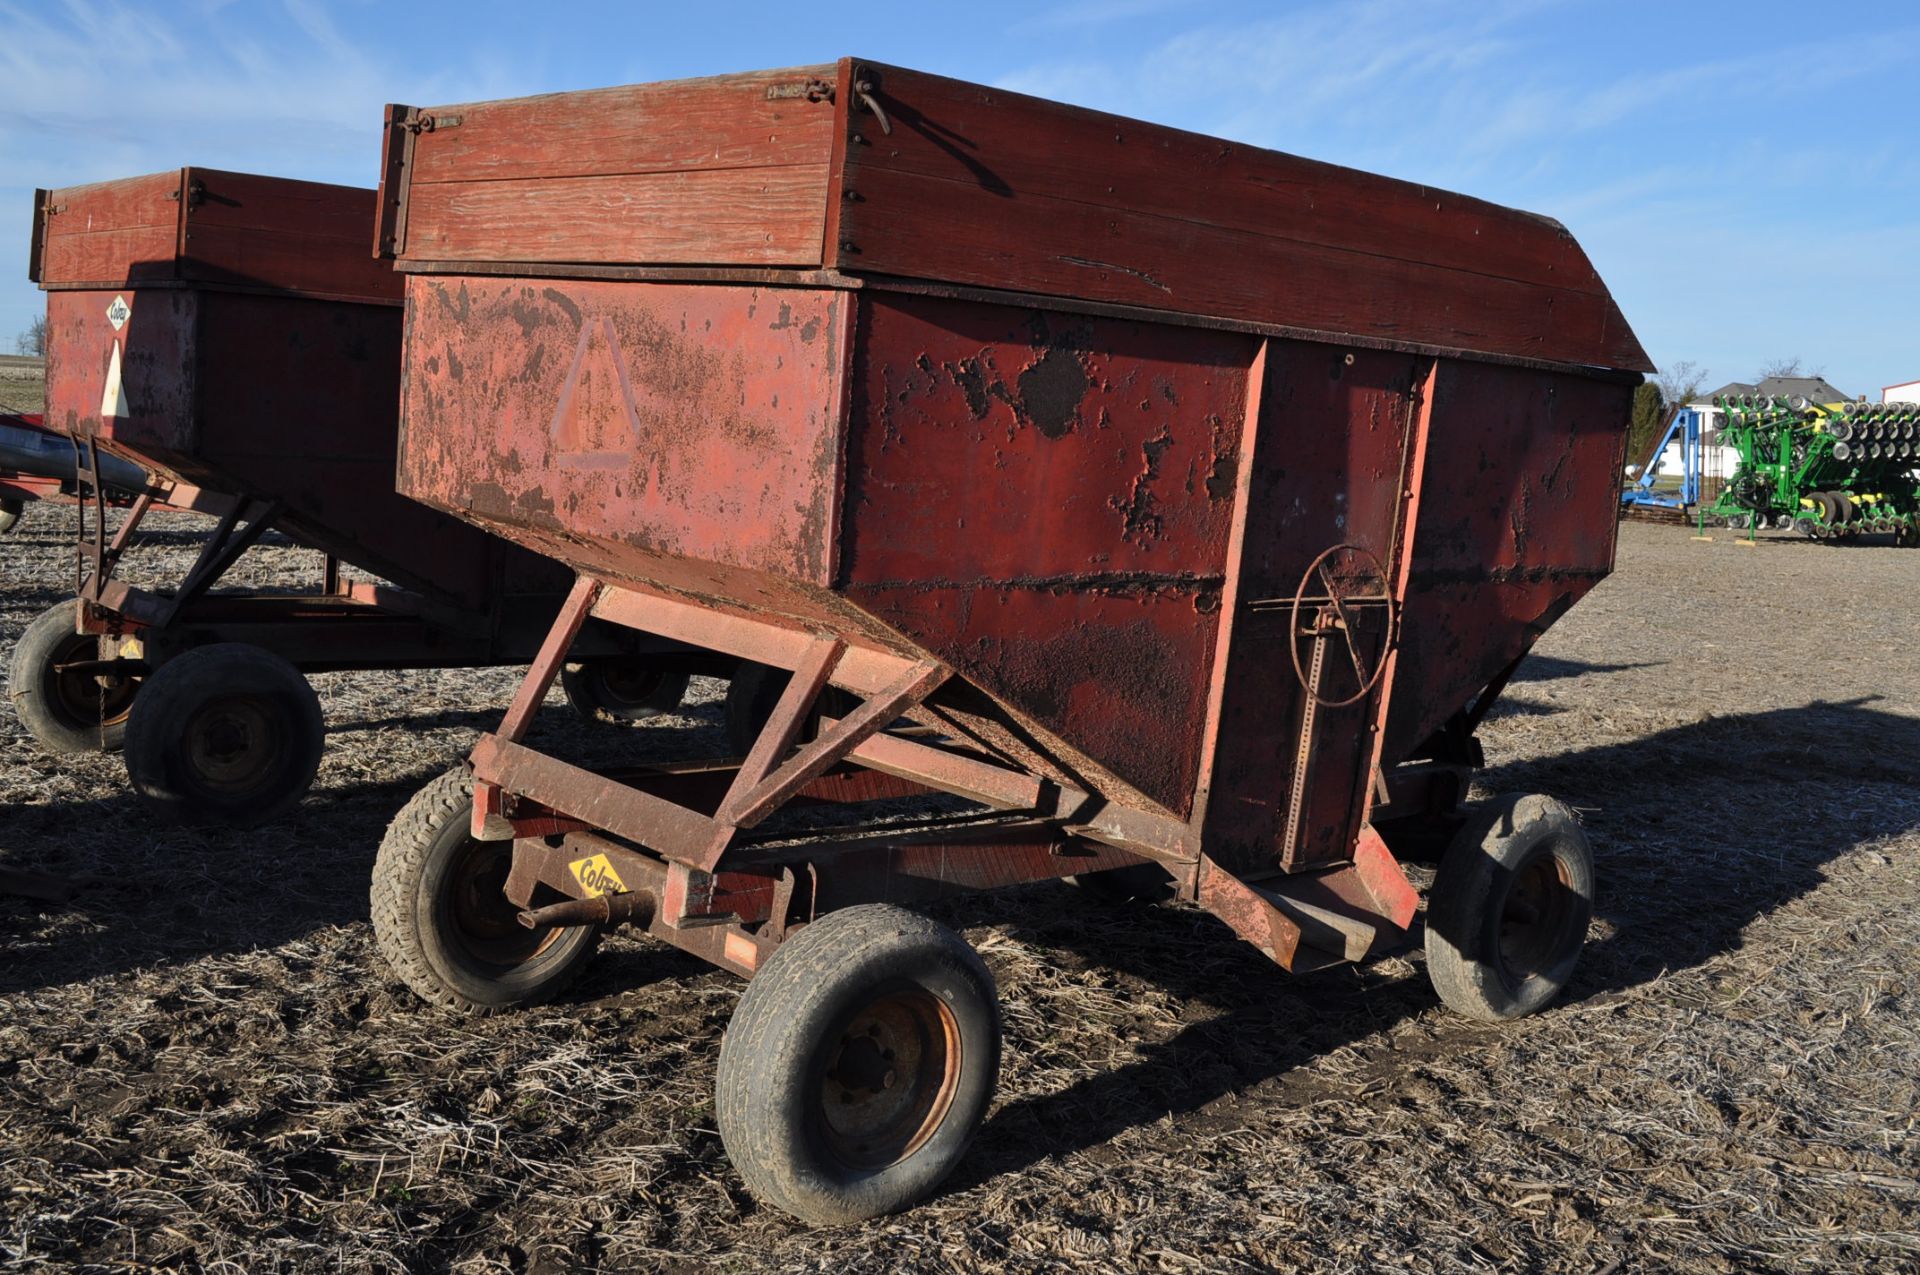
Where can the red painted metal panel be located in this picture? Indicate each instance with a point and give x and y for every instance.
(284, 398)
(1329, 453)
(1517, 521)
(142, 372)
(655, 420)
(1043, 500)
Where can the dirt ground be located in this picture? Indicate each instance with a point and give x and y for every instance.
(21, 393)
(204, 1067)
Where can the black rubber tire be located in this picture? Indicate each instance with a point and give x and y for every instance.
(1510, 841)
(1828, 509)
(622, 691)
(65, 714)
(755, 690)
(1139, 883)
(10, 511)
(200, 702)
(787, 1046)
(426, 856)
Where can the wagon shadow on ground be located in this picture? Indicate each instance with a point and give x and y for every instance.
(1699, 830)
(151, 894)
(1549, 668)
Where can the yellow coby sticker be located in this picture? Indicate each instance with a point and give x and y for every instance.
(596, 876)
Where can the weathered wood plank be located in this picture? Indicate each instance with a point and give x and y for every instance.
(1011, 144)
(758, 120)
(208, 226)
(755, 216)
(97, 233)
(272, 232)
(928, 227)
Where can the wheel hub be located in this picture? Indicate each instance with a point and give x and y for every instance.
(87, 696)
(1534, 918)
(485, 923)
(890, 1078)
(628, 683)
(232, 744)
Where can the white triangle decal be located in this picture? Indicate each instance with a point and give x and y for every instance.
(113, 399)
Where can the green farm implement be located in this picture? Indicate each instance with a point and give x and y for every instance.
(1830, 471)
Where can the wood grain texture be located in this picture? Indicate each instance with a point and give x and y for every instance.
(206, 226)
(272, 232)
(1001, 190)
(757, 216)
(1040, 243)
(757, 120)
(112, 232)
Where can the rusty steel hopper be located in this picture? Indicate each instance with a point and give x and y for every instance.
(1185, 502)
(228, 340)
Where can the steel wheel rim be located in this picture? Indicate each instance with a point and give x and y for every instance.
(1537, 912)
(234, 745)
(83, 697)
(483, 923)
(627, 684)
(889, 1078)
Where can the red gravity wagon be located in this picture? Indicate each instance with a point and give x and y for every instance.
(1180, 506)
(224, 343)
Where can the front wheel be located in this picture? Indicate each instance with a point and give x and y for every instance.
(858, 1065)
(10, 511)
(1509, 910)
(442, 920)
(67, 710)
(226, 734)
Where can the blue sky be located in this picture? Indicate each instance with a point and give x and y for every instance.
(1746, 176)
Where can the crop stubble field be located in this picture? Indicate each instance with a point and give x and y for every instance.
(204, 1067)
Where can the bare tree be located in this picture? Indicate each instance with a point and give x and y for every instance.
(34, 340)
(1681, 382)
(1787, 367)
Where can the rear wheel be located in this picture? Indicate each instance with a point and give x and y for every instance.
(623, 690)
(755, 690)
(1509, 910)
(442, 920)
(858, 1065)
(227, 733)
(67, 711)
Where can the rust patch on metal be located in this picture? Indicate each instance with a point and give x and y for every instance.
(1050, 390)
(972, 383)
(1140, 521)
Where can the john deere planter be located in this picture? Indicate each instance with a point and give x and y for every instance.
(1832, 472)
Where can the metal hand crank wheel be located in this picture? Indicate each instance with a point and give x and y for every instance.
(1342, 571)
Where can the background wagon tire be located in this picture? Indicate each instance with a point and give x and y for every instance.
(442, 921)
(858, 1065)
(66, 712)
(1136, 883)
(228, 733)
(621, 690)
(10, 511)
(1509, 909)
(753, 693)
